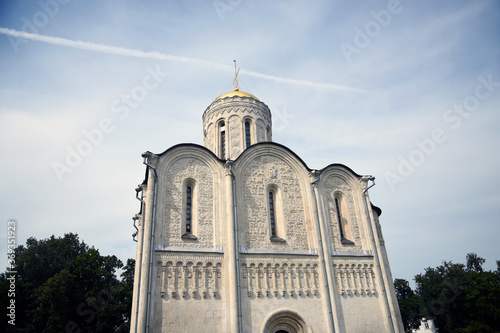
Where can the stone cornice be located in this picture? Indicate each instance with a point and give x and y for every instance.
(311, 252)
(215, 249)
(234, 104)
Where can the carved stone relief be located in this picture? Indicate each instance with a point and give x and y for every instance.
(190, 278)
(234, 136)
(261, 130)
(210, 137)
(270, 279)
(179, 171)
(256, 177)
(355, 279)
(244, 108)
(332, 186)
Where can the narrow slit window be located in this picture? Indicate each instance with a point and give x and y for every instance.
(247, 134)
(189, 206)
(272, 214)
(222, 141)
(339, 217)
(344, 228)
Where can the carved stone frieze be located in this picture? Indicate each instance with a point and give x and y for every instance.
(355, 279)
(196, 277)
(236, 106)
(272, 278)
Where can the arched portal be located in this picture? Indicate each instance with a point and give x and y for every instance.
(284, 321)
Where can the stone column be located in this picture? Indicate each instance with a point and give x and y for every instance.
(230, 253)
(325, 259)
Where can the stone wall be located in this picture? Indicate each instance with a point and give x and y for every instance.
(234, 111)
(254, 223)
(189, 293)
(279, 278)
(171, 203)
(282, 283)
(336, 186)
(191, 277)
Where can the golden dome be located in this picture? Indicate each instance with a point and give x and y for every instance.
(236, 92)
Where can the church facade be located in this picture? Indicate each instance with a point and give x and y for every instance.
(240, 235)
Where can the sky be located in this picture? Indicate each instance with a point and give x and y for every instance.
(406, 91)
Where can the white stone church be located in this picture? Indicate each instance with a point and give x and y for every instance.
(240, 235)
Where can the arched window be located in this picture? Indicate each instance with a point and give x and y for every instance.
(276, 225)
(285, 321)
(339, 218)
(189, 206)
(189, 210)
(272, 213)
(248, 140)
(344, 229)
(222, 128)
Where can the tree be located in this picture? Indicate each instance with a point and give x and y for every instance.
(461, 298)
(63, 285)
(409, 305)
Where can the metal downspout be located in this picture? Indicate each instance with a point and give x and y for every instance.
(139, 264)
(327, 285)
(151, 259)
(134, 235)
(237, 248)
(376, 250)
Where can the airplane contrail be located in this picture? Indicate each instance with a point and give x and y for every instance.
(78, 44)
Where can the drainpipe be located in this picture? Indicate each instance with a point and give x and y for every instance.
(322, 251)
(134, 235)
(146, 156)
(375, 249)
(138, 264)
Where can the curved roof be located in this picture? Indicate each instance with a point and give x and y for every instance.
(236, 92)
(246, 151)
(254, 146)
(191, 145)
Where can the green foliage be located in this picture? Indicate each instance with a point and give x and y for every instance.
(461, 298)
(63, 285)
(409, 305)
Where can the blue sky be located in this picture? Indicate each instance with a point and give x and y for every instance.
(407, 91)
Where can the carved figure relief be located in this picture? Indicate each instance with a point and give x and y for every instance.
(273, 172)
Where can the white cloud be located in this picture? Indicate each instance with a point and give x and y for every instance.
(160, 56)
